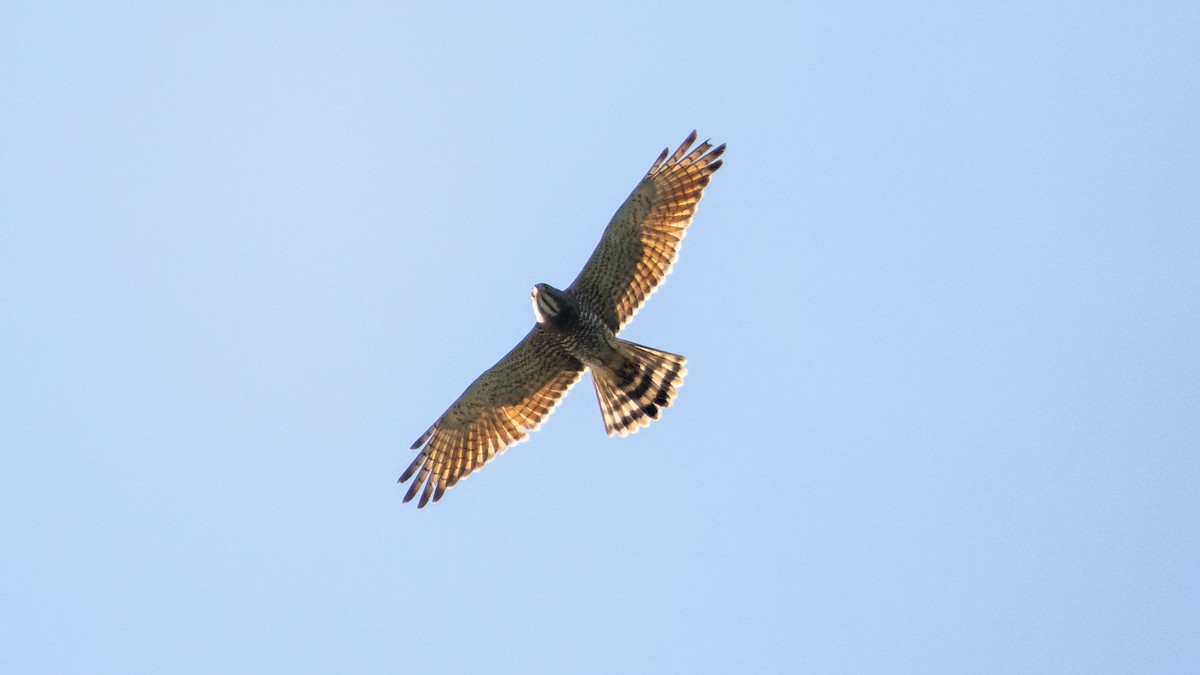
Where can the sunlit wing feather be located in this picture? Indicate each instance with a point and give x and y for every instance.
(642, 240)
(498, 410)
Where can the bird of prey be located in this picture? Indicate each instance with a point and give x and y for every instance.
(576, 330)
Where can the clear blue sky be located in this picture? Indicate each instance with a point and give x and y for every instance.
(941, 308)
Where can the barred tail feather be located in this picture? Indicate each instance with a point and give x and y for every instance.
(632, 394)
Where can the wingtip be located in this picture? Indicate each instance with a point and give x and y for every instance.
(424, 437)
(412, 489)
(412, 468)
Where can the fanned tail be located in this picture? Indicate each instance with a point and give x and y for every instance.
(632, 394)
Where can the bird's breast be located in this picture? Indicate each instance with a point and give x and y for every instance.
(584, 335)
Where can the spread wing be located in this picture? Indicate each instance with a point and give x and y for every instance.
(642, 239)
(496, 411)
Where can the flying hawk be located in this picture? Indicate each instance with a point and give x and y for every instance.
(576, 330)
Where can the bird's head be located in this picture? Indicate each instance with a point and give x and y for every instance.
(548, 301)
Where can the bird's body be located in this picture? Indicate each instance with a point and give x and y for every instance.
(575, 327)
(576, 330)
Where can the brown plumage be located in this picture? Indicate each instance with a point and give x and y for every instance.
(642, 240)
(576, 330)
